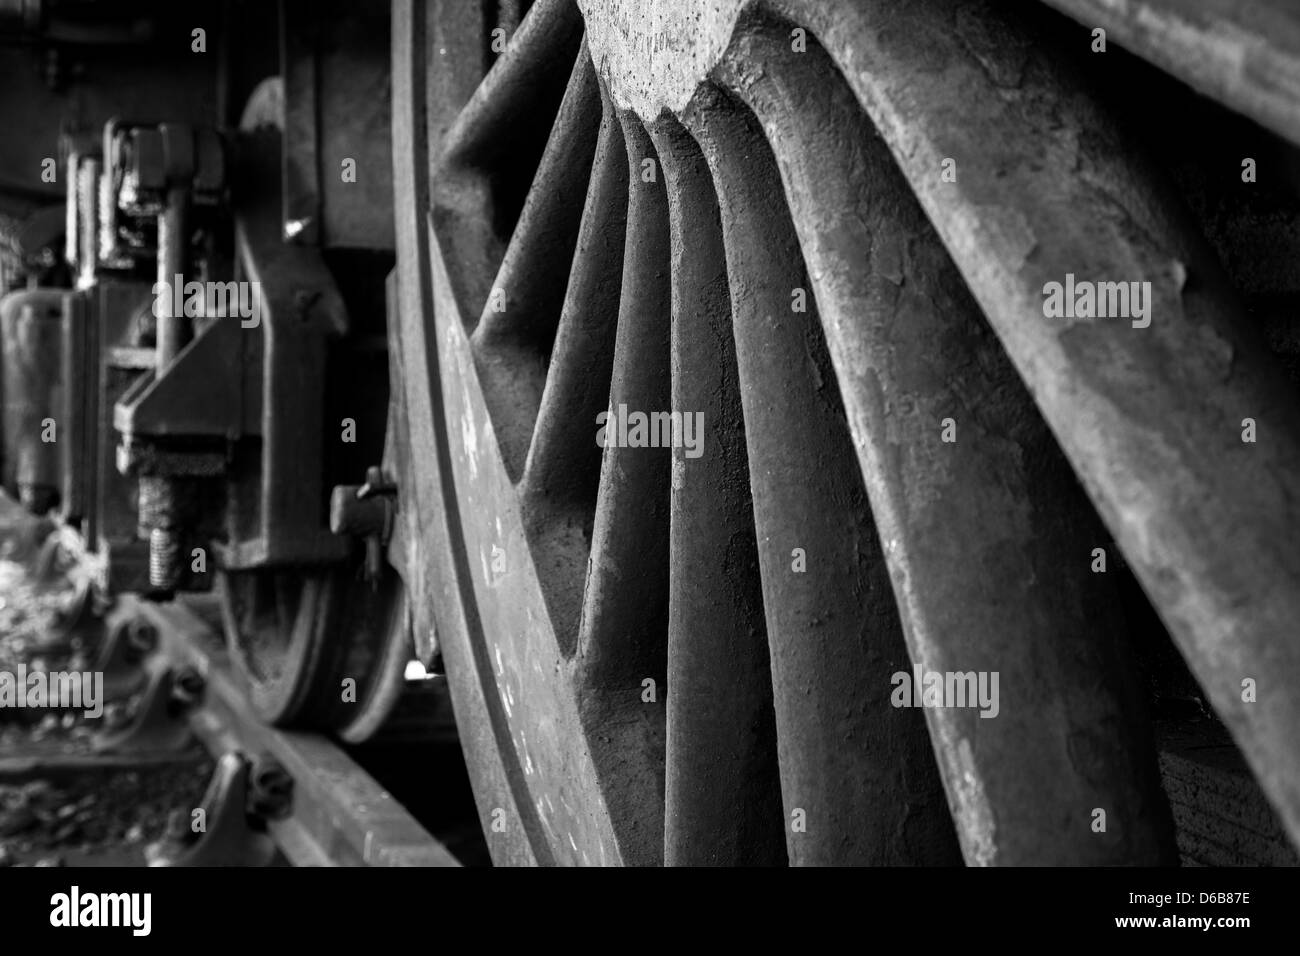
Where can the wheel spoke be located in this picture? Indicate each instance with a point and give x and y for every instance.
(722, 791)
(515, 91)
(623, 637)
(512, 342)
(987, 537)
(558, 490)
(563, 465)
(490, 154)
(860, 771)
(1151, 418)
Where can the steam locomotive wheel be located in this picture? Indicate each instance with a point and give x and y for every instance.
(696, 642)
(326, 647)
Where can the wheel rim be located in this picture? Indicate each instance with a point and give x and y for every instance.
(273, 625)
(296, 637)
(773, 163)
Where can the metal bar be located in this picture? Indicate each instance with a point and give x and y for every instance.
(80, 357)
(48, 764)
(173, 331)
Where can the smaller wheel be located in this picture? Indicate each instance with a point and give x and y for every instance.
(323, 648)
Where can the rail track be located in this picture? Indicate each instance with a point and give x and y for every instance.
(275, 798)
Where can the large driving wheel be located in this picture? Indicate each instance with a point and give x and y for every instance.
(695, 642)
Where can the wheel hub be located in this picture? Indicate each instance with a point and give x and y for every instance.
(654, 55)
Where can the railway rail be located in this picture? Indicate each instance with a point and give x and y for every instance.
(275, 797)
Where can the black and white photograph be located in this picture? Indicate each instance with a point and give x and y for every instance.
(719, 434)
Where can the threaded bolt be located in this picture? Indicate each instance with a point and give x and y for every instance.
(155, 503)
(164, 559)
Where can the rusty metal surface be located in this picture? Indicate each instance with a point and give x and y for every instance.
(542, 279)
(517, 654)
(450, 27)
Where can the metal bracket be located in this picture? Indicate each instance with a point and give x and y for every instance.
(202, 394)
(159, 723)
(366, 511)
(278, 497)
(234, 831)
(127, 646)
